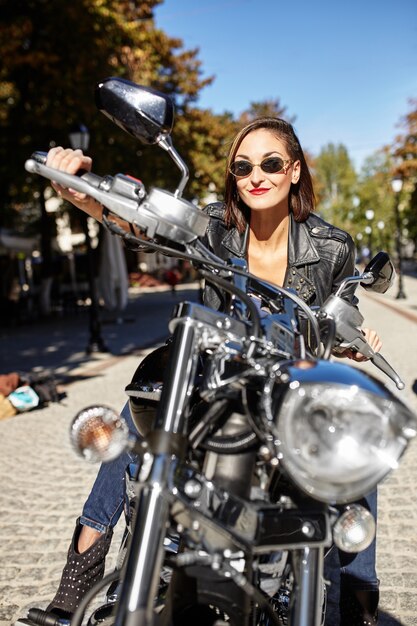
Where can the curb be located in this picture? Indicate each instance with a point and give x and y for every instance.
(409, 315)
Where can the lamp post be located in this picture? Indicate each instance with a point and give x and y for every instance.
(381, 225)
(369, 214)
(79, 138)
(397, 185)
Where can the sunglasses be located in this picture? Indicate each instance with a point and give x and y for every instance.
(270, 165)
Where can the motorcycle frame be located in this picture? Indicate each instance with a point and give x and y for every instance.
(167, 444)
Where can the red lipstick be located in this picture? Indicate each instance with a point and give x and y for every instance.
(259, 191)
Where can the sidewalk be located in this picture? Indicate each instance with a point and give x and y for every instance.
(44, 484)
(407, 306)
(59, 344)
(395, 320)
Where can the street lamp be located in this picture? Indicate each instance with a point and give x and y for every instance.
(369, 214)
(79, 138)
(397, 185)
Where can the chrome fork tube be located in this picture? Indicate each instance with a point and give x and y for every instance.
(181, 370)
(145, 554)
(308, 572)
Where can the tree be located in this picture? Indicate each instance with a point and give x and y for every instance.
(405, 155)
(335, 184)
(374, 193)
(205, 137)
(52, 59)
(405, 145)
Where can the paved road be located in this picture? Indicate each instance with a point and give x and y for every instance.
(44, 483)
(396, 322)
(60, 343)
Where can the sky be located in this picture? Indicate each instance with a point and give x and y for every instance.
(345, 70)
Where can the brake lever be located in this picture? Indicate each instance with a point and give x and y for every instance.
(359, 344)
(348, 321)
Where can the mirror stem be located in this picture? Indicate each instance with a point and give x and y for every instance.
(165, 142)
(367, 278)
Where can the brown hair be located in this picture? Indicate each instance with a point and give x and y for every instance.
(301, 197)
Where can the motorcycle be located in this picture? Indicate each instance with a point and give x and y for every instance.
(258, 443)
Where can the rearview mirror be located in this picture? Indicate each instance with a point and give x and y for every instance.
(142, 112)
(382, 269)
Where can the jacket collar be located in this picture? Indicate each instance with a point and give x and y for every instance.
(301, 248)
(235, 242)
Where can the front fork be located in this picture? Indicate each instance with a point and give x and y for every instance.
(309, 596)
(145, 555)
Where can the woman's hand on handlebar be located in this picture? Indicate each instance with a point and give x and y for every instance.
(71, 162)
(374, 341)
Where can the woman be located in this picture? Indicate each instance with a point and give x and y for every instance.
(267, 218)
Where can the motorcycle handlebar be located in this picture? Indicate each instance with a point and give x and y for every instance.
(123, 196)
(161, 213)
(121, 205)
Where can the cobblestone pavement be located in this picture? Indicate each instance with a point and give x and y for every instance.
(43, 483)
(396, 322)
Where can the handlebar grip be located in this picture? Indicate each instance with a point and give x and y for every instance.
(92, 179)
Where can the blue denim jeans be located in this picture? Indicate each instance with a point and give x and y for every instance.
(106, 501)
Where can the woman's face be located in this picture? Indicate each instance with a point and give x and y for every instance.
(259, 190)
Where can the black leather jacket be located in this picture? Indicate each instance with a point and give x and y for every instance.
(320, 255)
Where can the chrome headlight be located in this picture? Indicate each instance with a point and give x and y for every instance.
(341, 431)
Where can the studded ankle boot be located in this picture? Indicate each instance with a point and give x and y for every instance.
(80, 573)
(358, 607)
